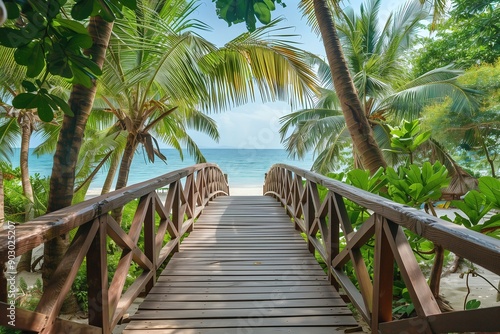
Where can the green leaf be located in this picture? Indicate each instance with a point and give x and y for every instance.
(37, 62)
(81, 77)
(71, 25)
(490, 187)
(12, 38)
(23, 54)
(472, 304)
(132, 4)
(62, 104)
(12, 10)
(79, 41)
(88, 63)
(270, 4)
(44, 110)
(262, 12)
(358, 178)
(25, 101)
(28, 86)
(82, 9)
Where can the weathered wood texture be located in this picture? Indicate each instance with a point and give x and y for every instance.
(163, 223)
(322, 220)
(244, 269)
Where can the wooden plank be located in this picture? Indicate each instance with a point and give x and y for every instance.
(277, 283)
(251, 322)
(259, 330)
(267, 304)
(242, 264)
(241, 296)
(239, 289)
(221, 278)
(239, 313)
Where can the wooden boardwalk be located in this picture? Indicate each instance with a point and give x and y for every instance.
(244, 269)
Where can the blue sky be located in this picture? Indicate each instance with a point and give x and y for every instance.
(256, 125)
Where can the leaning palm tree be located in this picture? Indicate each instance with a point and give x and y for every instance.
(387, 92)
(159, 77)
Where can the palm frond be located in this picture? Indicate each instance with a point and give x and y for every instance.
(9, 136)
(48, 134)
(203, 123)
(432, 87)
(266, 60)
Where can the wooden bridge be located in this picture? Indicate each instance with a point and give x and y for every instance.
(245, 266)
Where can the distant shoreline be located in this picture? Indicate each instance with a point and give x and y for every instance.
(250, 190)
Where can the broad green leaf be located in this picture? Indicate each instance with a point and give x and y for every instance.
(82, 9)
(44, 110)
(23, 55)
(472, 304)
(62, 104)
(71, 25)
(262, 12)
(270, 4)
(421, 138)
(80, 41)
(81, 77)
(12, 10)
(132, 4)
(25, 101)
(358, 178)
(490, 187)
(28, 86)
(37, 63)
(84, 62)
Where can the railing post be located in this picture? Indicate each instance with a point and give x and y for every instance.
(97, 278)
(309, 216)
(382, 276)
(191, 184)
(150, 242)
(177, 214)
(333, 239)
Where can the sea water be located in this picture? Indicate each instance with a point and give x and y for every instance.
(244, 167)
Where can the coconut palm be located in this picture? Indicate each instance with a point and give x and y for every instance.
(387, 92)
(159, 77)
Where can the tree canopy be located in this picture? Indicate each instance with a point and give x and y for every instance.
(469, 36)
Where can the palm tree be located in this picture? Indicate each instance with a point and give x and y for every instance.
(387, 92)
(159, 77)
(320, 16)
(18, 123)
(62, 178)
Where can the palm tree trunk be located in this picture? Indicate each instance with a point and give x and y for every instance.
(62, 180)
(121, 182)
(29, 208)
(356, 120)
(113, 168)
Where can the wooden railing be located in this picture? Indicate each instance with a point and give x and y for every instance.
(298, 191)
(163, 224)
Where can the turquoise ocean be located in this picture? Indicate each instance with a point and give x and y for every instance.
(245, 167)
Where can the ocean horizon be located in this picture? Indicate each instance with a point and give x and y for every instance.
(244, 167)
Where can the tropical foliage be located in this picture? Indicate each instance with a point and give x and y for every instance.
(468, 37)
(472, 136)
(388, 92)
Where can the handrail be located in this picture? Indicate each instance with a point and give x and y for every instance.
(297, 190)
(189, 191)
